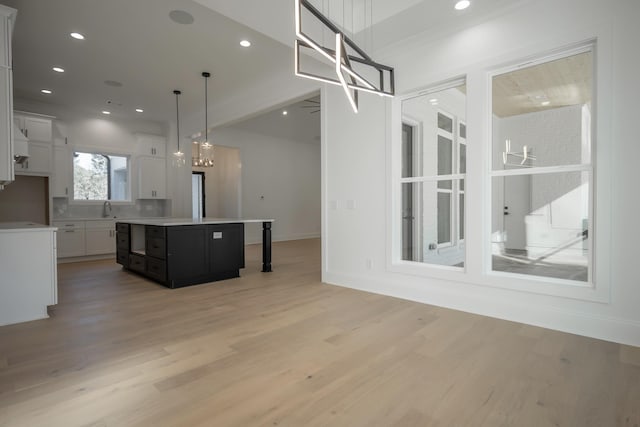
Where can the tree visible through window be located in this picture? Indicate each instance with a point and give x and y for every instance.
(99, 176)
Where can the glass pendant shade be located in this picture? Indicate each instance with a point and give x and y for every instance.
(178, 159)
(203, 151)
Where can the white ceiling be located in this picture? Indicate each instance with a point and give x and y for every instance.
(301, 123)
(135, 42)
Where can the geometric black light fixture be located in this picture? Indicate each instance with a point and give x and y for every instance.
(349, 62)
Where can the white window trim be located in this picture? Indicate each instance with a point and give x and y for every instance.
(478, 83)
(96, 150)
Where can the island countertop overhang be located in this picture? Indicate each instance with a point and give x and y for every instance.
(169, 222)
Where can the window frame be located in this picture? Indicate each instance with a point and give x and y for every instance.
(477, 186)
(396, 249)
(94, 150)
(588, 168)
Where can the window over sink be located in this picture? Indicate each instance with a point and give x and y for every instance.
(101, 177)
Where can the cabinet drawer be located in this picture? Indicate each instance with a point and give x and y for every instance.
(68, 225)
(100, 224)
(122, 258)
(152, 231)
(137, 263)
(122, 228)
(156, 247)
(156, 269)
(122, 241)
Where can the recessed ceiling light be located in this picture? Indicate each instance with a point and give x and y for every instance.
(433, 100)
(285, 112)
(58, 69)
(181, 17)
(113, 83)
(46, 91)
(105, 112)
(545, 103)
(77, 36)
(139, 110)
(462, 4)
(245, 43)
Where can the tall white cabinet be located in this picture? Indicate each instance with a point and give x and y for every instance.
(152, 166)
(7, 17)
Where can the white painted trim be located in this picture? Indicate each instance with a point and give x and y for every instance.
(324, 173)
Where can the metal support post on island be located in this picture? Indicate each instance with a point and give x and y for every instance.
(266, 247)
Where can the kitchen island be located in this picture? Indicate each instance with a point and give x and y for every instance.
(179, 252)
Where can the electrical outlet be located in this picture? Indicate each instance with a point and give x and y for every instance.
(368, 263)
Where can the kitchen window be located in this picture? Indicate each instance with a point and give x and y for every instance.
(101, 177)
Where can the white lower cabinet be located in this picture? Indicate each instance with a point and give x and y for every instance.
(70, 238)
(28, 278)
(86, 238)
(100, 237)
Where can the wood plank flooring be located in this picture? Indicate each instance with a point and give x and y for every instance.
(282, 349)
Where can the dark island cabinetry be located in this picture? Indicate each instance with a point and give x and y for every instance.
(182, 255)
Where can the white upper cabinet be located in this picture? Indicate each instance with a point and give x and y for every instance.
(62, 170)
(7, 15)
(151, 145)
(152, 178)
(39, 161)
(38, 129)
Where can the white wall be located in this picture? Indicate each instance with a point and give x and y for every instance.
(223, 184)
(280, 180)
(356, 166)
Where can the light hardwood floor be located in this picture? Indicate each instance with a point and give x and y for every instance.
(282, 349)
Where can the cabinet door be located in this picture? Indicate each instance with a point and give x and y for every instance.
(151, 145)
(62, 168)
(187, 252)
(70, 243)
(39, 161)
(226, 247)
(100, 241)
(5, 41)
(6, 113)
(38, 129)
(152, 178)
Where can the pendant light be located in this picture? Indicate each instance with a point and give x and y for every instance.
(204, 156)
(178, 157)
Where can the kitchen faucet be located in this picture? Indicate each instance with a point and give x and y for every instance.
(106, 210)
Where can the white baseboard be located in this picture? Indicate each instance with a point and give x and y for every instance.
(86, 258)
(617, 330)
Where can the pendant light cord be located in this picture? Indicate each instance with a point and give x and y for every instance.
(206, 109)
(177, 93)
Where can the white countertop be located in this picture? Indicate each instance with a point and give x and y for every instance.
(22, 226)
(168, 222)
